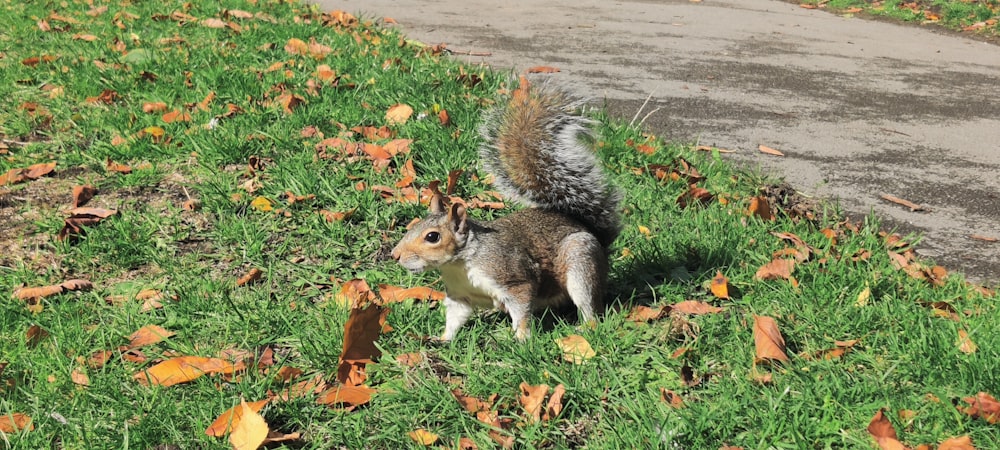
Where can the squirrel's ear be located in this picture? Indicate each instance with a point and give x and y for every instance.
(458, 218)
(437, 204)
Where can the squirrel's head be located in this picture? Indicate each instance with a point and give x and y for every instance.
(435, 240)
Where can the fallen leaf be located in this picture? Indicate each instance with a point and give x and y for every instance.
(250, 277)
(671, 398)
(212, 22)
(230, 419)
(175, 116)
(965, 344)
(643, 314)
(398, 114)
(251, 430)
(154, 107)
(760, 207)
(575, 348)
(348, 397)
(354, 293)
(82, 195)
(720, 285)
(977, 237)
(882, 430)
(35, 293)
(287, 374)
(694, 194)
(906, 203)
(14, 422)
(183, 369)
(410, 359)
(776, 269)
(363, 327)
(79, 377)
(983, 405)
(261, 204)
(554, 407)
(472, 404)
(148, 335)
(112, 166)
(695, 307)
(395, 294)
(34, 336)
(767, 339)
(36, 171)
(542, 69)
(957, 443)
(531, 400)
(769, 150)
(423, 437)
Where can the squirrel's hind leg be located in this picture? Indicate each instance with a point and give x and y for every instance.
(586, 268)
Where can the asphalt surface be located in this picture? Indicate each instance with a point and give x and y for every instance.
(860, 108)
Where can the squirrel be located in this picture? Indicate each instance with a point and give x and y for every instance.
(556, 250)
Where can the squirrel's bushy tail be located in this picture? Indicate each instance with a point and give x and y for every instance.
(539, 149)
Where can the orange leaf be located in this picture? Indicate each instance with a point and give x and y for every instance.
(720, 285)
(396, 294)
(350, 397)
(643, 314)
(957, 443)
(554, 406)
(35, 335)
(112, 166)
(79, 377)
(12, 423)
(671, 398)
(906, 203)
(176, 116)
(543, 69)
(982, 405)
(531, 400)
(777, 268)
(363, 327)
(398, 114)
(965, 344)
(760, 208)
(410, 359)
(77, 285)
(354, 293)
(250, 432)
(148, 335)
(36, 171)
(183, 369)
(769, 150)
(212, 22)
(695, 307)
(251, 277)
(767, 340)
(231, 418)
(472, 404)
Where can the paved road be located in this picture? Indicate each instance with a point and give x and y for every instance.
(859, 107)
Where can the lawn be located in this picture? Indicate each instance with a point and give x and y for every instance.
(197, 203)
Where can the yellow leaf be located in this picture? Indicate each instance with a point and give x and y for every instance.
(423, 437)
(720, 285)
(232, 418)
(575, 348)
(965, 344)
(250, 433)
(261, 204)
(864, 295)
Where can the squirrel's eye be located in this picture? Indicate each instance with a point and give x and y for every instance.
(433, 237)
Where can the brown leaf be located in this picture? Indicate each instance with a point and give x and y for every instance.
(36, 171)
(35, 335)
(693, 194)
(79, 377)
(695, 307)
(77, 285)
(112, 166)
(363, 327)
(250, 277)
(984, 406)
(769, 150)
(35, 293)
(410, 359)
(154, 107)
(354, 293)
(148, 335)
(882, 430)
(472, 404)
(906, 203)
(232, 417)
(212, 22)
(671, 398)
(776, 269)
(720, 285)
(767, 339)
(287, 374)
(643, 314)
(531, 400)
(250, 432)
(398, 114)
(348, 397)
(978, 237)
(760, 207)
(554, 406)
(183, 369)
(542, 69)
(304, 388)
(175, 116)
(965, 344)
(14, 422)
(82, 195)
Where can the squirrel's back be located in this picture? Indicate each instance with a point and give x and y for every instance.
(539, 150)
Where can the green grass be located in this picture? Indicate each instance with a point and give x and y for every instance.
(978, 17)
(907, 356)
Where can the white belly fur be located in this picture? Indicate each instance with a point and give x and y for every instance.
(471, 286)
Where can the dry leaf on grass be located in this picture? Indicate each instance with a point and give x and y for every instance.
(398, 114)
(695, 307)
(250, 277)
(347, 397)
(232, 417)
(148, 335)
(12, 423)
(575, 348)
(984, 406)
(882, 430)
(776, 269)
(671, 398)
(720, 285)
(769, 343)
(769, 150)
(183, 369)
(965, 344)
(531, 400)
(363, 327)
(250, 432)
(957, 443)
(643, 314)
(82, 195)
(423, 437)
(396, 294)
